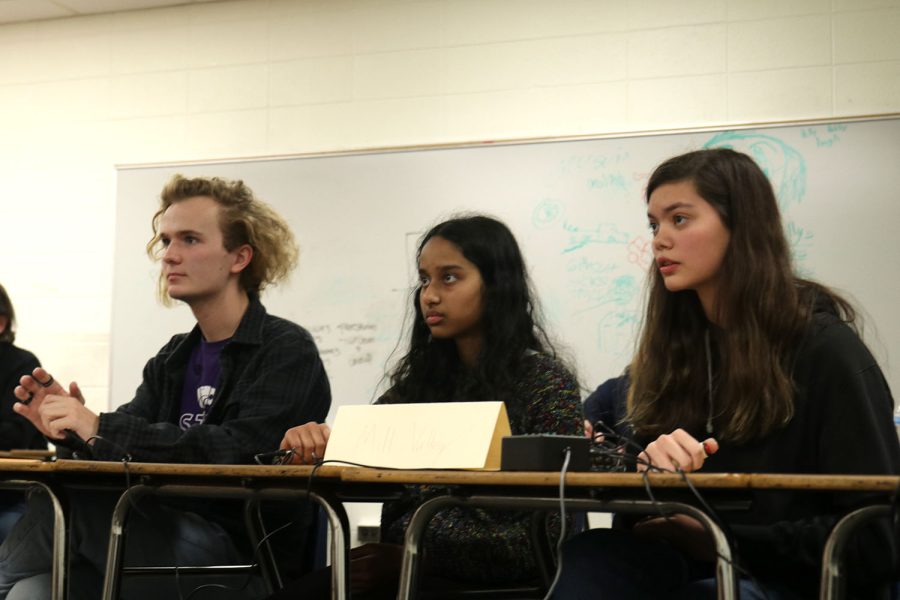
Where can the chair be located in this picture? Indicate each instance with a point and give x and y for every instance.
(260, 574)
(833, 582)
(433, 588)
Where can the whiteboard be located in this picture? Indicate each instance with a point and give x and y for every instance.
(577, 209)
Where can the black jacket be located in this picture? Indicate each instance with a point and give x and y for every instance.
(842, 425)
(16, 431)
(272, 378)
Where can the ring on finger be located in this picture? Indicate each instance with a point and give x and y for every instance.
(47, 383)
(27, 400)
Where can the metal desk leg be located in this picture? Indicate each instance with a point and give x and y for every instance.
(116, 540)
(833, 576)
(726, 581)
(340, 546)
(337, 520)
(413, 538)
(60, 548)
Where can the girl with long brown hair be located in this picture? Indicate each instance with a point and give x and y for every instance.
(742, 366)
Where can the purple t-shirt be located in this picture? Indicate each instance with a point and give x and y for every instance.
(200, 381)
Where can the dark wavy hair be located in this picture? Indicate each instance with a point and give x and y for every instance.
(764, 310)
(6, 310)
(431, 371)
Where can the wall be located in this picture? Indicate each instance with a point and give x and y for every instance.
(260, 77)
(257, 77)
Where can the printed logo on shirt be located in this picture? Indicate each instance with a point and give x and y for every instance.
(205, 396)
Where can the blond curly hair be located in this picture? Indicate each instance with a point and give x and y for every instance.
(243, 219)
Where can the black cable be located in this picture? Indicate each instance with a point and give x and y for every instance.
(125, 459)
(712, 514)
(623, 439)
(249, 578)
(626, 442)
(282, 455)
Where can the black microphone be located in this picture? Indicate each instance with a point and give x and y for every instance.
(80, 448)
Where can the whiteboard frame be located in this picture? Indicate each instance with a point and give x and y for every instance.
(511, 141)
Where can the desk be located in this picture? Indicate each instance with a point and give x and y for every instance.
(252, 482)
(531, 490)
(217, 481)
(612, 491)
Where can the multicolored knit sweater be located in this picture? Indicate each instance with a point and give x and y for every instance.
(489, 546)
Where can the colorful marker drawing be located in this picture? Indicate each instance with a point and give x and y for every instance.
(602, 233)
(786, 169)
(782, 164)
(547, 212)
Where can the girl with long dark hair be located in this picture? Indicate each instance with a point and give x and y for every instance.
(742, 366)
(475, 336)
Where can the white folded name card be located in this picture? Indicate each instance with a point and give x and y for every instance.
(444, 435)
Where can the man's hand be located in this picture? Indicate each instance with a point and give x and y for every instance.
(36, 390)
(30, 393)
(59, 413)
(307, 441)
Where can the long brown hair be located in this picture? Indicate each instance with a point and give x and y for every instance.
(763, 306)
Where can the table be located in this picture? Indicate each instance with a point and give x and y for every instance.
(529, 490)
(335, 484)
(256, 482)
(140, 479)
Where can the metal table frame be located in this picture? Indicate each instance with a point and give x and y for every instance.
(58, 572)
(334, 511)
(727, 582)
(833, 583)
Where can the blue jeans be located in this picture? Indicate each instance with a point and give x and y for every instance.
(616, 564)
(157, 535)
(11, 510)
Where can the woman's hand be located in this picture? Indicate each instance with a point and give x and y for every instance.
(589, 433)
(676, 451)
(307, 441)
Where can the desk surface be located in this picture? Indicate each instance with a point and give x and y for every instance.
(886, 483)
(192, 470)
(878, 483)
(20, 465)
(24, 465)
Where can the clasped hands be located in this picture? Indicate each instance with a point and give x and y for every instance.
(52, 409)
